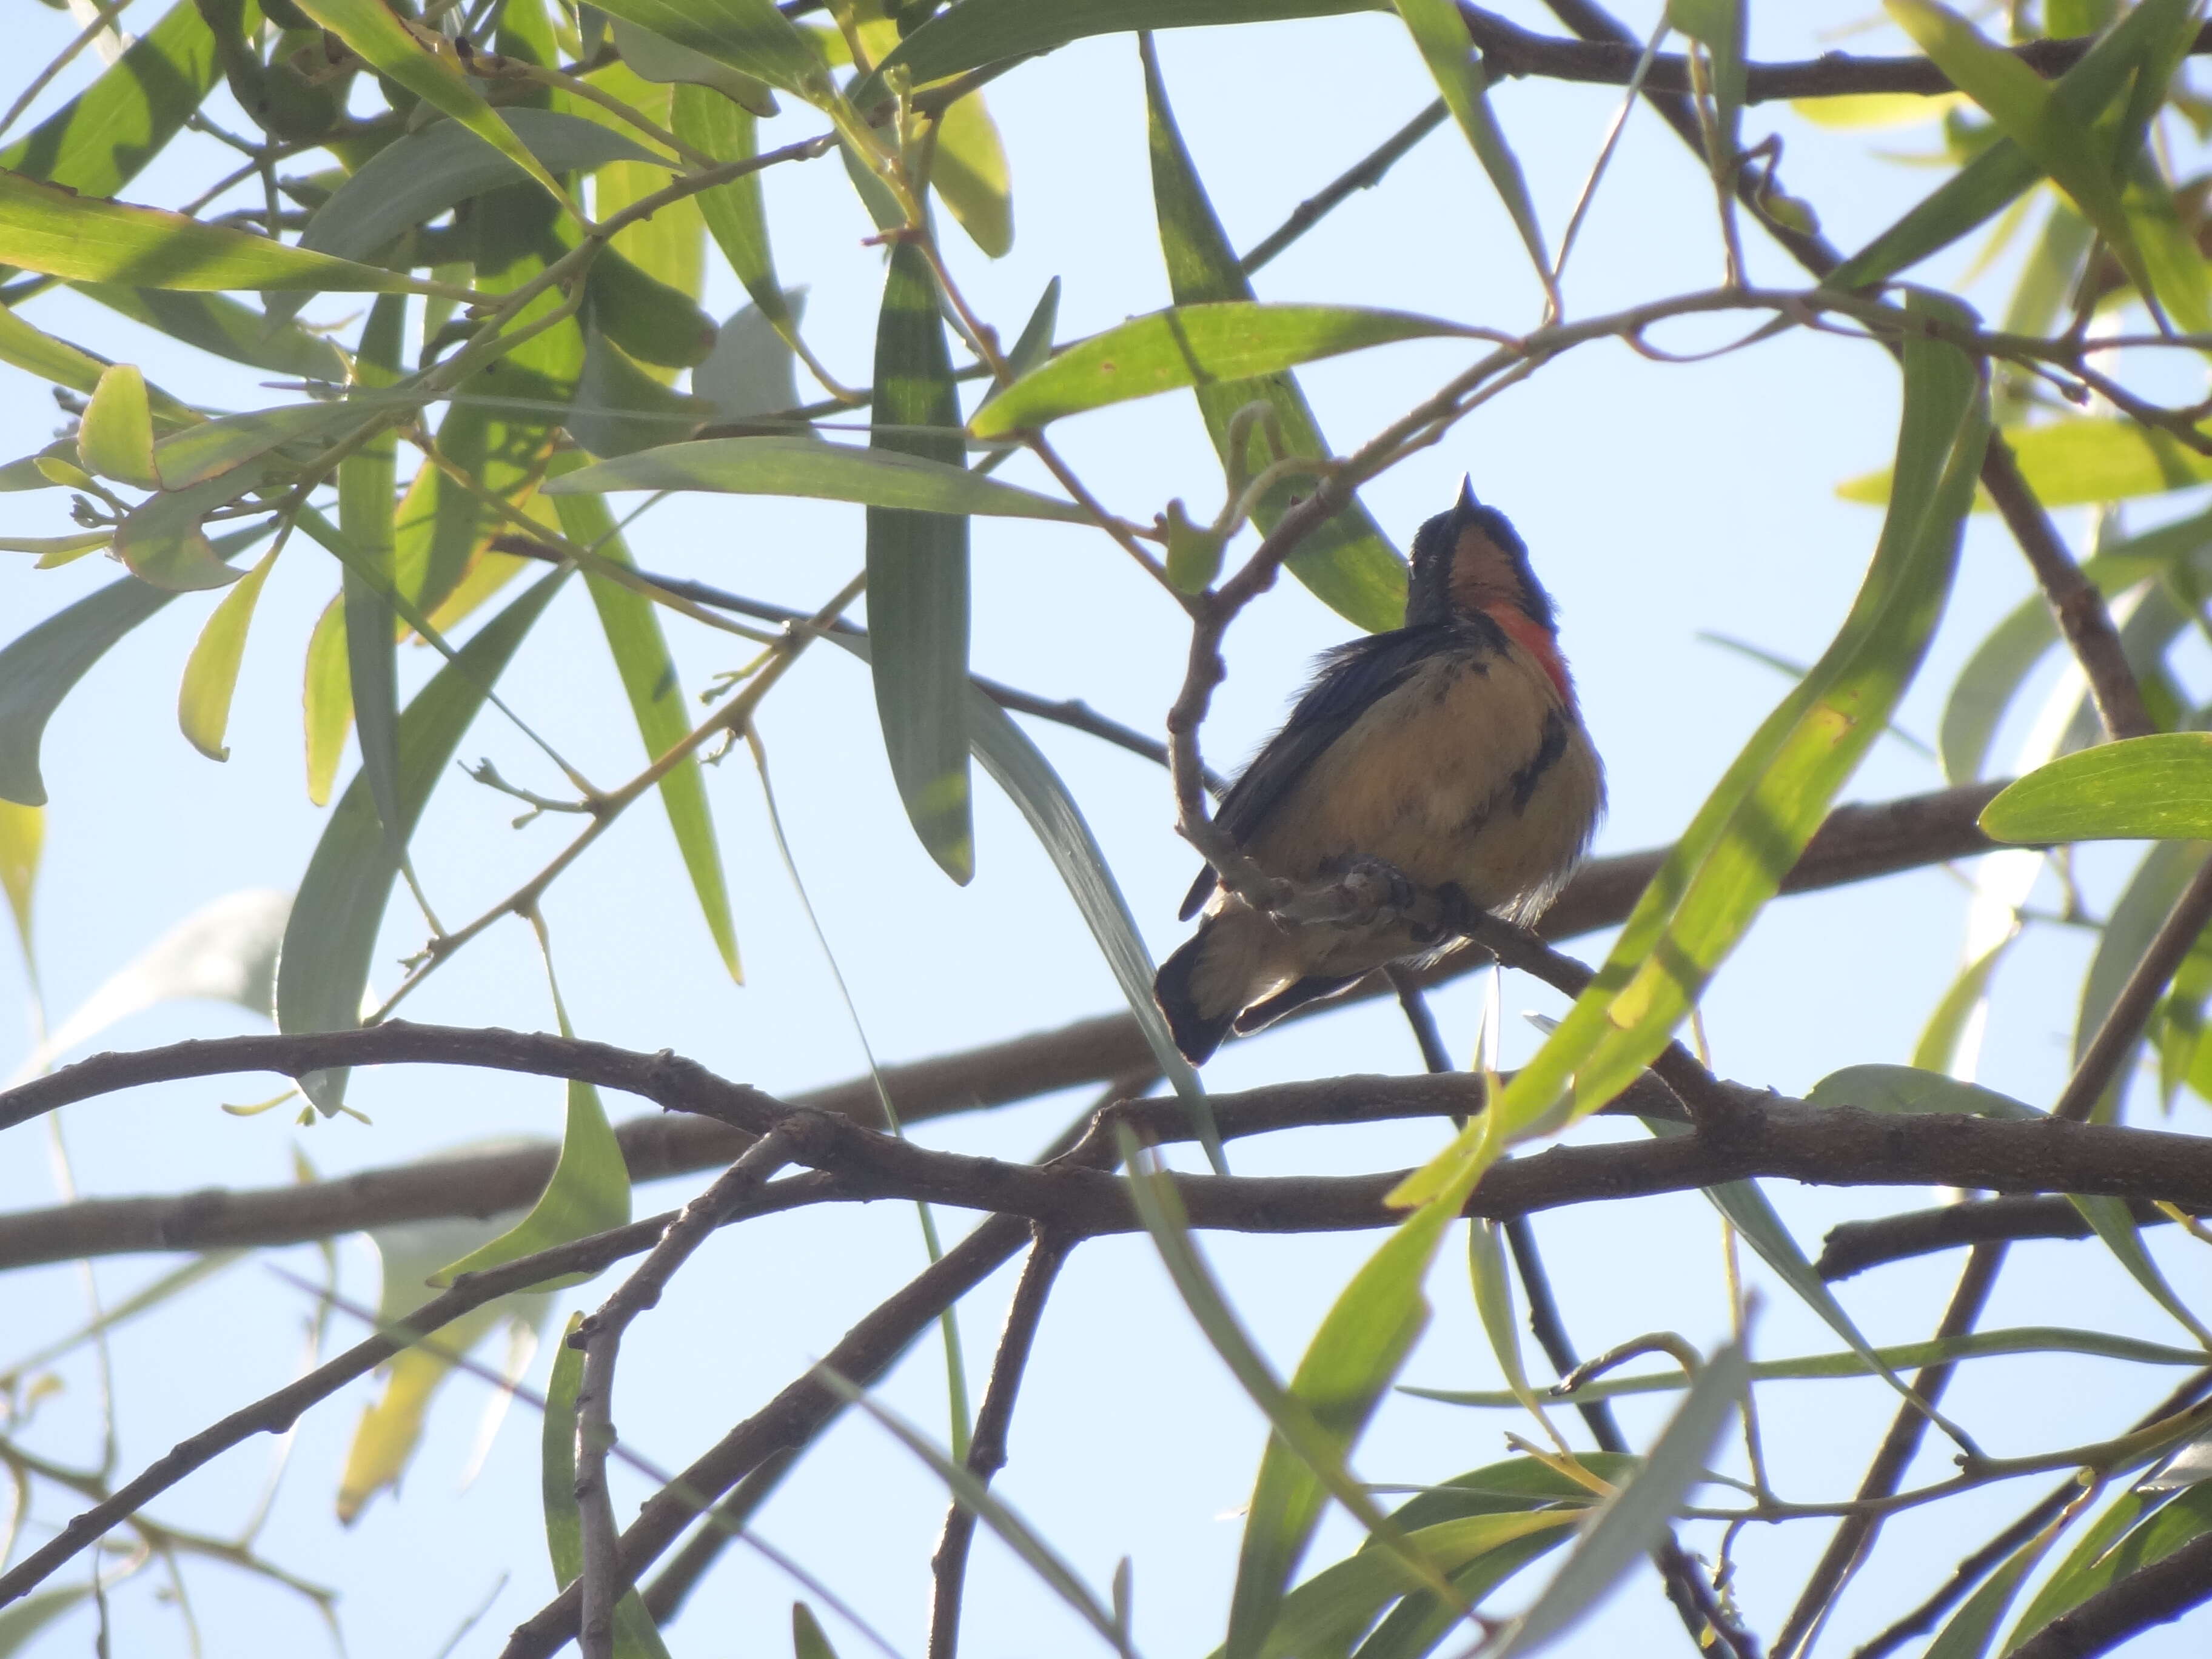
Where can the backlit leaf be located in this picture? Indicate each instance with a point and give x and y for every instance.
(211, 671)
(2139, 788)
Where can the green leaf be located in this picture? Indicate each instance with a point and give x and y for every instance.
(326, 701)
(1900, 1357)
(1910, 1090)
(657, 58)
(23, 836)
(365, 481)
(324, 969)
(968, 170)
(1943, 1039)
(161, 542)
(211, 671)
(374, 31)
(1718, 25)
(39, 353)
(826, 472)
(1034, 344)
(47, 229)
(1441, 33)
(807, 1641)
(215, 322)
(1346, 563)
(631, 624)
(1983, 188)
(115, 440)
(2155, 787)
(40, 666)
(1967, 1633)
(648, 319)
(1627, 1524)
(1731, 858)
(589, 1192)
(19, 1623)
(750, 36)
(1328, 1613)
(978, 31)
(2137, 1531)
(213, 447)
(1348, 1366)
(973, 1496)
(734, 215)
(918, 573)
(751, 369)
(620, 410)
(417, 177)
(96, 143)
(1192, 345)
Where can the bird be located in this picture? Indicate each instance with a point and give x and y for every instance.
(1448, 754)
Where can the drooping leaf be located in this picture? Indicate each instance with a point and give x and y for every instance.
(39, 665)
(211, 671)
(365, 481)
(1200, 345)
(96, 143)
(417, 177)
(1626, 1525)
(589, 1192)
(648, 319)
(326, 701)
(324, 969)
(807, 1641)
(750, 36)
(735, 216)
(658, 59)
(1346, 562)
(1441, 34)
(968, 172)
(631, 624)
(375, 32)
(1968, 1632)
(161, 541)
(2155, 787)
(826, 472)
(36, 352)
(23, 836)
(918, 573)
(2137, 1531)
(47, 229)
(115, 440)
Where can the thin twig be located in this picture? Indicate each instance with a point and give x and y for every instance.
(987, 1452)
(1364, 174)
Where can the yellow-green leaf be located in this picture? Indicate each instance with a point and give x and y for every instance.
(326, 701)
(115, 440)
(211, 671)
(969, 171)
(2157, 787)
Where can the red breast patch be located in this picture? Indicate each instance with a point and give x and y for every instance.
(1538, 641)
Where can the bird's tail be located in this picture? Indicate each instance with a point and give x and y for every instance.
(1196, 1033)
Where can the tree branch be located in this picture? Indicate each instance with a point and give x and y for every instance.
(1852, 1247)
(987, 1452)
(1508, 49)
(2159, 1593)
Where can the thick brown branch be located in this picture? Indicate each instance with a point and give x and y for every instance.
(1852, 1247)
(1855, 843)
(1508, 49)
(2159, 1594)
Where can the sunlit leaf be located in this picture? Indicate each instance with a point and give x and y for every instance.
(620, 410)
(1197, 345)
(326, 701)
(23, 836)
(658, 58)
(2155, 787)
(1441, 34)
(2138, 1530)
(750, 36)
(734, 215)
(215, 322)
(806, 467)
(96, 142)
(417, 177)
(115, 438)
(969, 171)
(1908, 1088)
(1968, 1632)
(211, 671)
(1346, 562)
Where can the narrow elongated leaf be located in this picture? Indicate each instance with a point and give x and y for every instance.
(39, 353)
(734, 215)
(650, 319)
(750, 36)
(968, 170)
(22, 836)
(217, 324)
(1626, 1525)
(161, 541)
(807, 1641)
(2030, 113)
(365, 480)
(1731, 858)
(1910, 1089)
(1718, 26)
(2137, 1531)
(2156, 788)
(974, 32)
(588, 1193)
(826, 471)
(1968, 1632)
(1985, 185)
(97, 142)
(47, 229)
(752, 369)
(326, 701)
(324, 969)
(1328, 1613)
(918, 573)
(656, 57)
(211, 671)
(1845, 1367)
(1349, 1364)
(418, 177)
(1441, 34)
(374, 31)
(203, 452)
(1192, 345)
(115, 440)
(24, 1619)
(631, 624)
(1345, 562)
(621, 409)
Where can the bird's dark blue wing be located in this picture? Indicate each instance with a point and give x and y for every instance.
(1350, 679)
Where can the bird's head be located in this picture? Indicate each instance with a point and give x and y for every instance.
(1471, 561)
